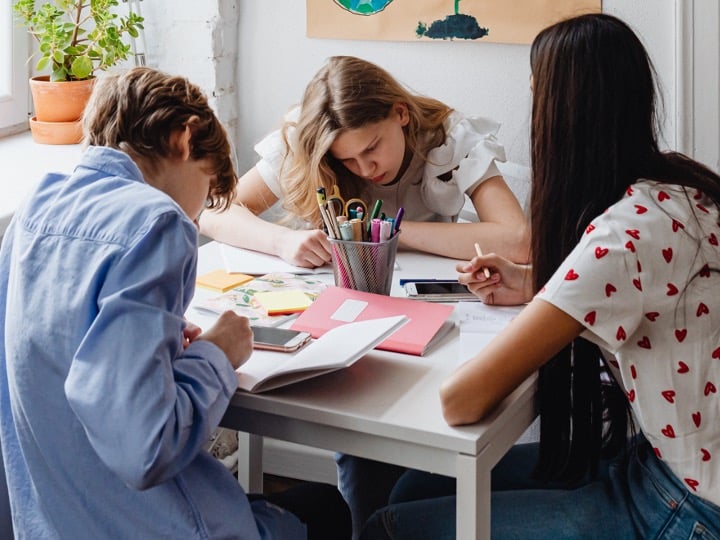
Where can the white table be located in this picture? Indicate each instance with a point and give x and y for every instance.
(385, 407)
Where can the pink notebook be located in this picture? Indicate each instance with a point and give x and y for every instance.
(336, 306)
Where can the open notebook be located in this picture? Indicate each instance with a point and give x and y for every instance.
(336, 349)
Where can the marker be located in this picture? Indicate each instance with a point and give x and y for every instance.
(356, 225)
(346, 230)
(480, 254)
(375, 213)
(385, 230)
(398, 220)
(375, 230)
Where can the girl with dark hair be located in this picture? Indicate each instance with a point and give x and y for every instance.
(624, 325)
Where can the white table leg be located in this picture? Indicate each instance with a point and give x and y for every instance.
(250, 462)
(473, 499)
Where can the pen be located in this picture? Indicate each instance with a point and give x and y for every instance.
(398, 220)
(480, 254)
(403, 281)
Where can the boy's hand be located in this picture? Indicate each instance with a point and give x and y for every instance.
(306, 248)
(232, 333)
(509, 283)
(190, 333)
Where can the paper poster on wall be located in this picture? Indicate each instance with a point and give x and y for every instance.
(499, 21)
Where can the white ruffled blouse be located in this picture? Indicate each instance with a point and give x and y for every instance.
(468, 153)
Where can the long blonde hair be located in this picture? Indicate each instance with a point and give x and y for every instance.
(347, 93)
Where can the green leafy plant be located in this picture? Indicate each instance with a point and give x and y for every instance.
(77, 38)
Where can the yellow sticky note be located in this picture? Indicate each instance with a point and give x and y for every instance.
(283, 302)
(220, 280)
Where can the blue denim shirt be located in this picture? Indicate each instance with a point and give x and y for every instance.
(104, 414)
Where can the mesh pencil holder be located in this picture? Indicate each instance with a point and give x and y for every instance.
(364, 266)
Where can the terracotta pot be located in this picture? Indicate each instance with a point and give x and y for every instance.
(56, 132)
(62, 101)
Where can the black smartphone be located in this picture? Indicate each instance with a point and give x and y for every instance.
(278, 339)
(439, 291)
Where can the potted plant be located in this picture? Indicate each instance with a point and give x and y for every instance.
(76, 39)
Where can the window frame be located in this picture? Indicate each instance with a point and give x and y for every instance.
(15, 107)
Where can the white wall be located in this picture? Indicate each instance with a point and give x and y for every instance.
(276, 60)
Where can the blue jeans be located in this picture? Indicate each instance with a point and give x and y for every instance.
(637, 497)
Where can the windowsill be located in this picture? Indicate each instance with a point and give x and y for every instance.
(24, 163)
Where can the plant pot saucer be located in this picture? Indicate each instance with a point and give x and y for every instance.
(56, 132)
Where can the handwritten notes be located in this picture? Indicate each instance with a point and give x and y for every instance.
(479, 324)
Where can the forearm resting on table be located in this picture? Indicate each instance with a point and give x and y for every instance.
(457, 240)
(478, 386)
(238, 226)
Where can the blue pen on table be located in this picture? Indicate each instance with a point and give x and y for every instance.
(403, 281)
(398, 220)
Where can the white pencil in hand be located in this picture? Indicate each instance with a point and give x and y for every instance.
(480, 254)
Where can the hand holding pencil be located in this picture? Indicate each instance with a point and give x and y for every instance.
(507, 284)
(480, 254)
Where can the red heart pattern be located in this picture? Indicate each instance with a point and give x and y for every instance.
(649, 334)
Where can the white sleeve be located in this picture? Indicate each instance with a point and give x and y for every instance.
(272, 151)
(469, 152)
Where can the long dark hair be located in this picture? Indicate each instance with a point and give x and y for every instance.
(594, 133)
